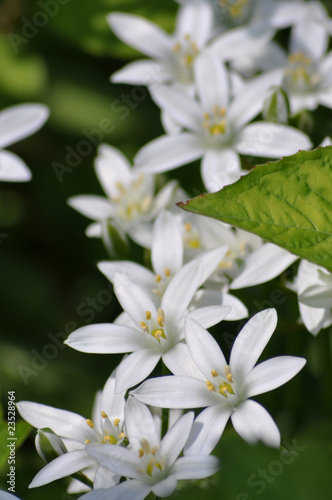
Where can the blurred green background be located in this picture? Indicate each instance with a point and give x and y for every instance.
(49, 283)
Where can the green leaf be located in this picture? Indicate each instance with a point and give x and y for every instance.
(22, 430)
(287, 202)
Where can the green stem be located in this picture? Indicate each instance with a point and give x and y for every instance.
(82, 478)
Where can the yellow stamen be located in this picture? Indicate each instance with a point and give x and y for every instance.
(161, 318)
(120, 187)
(160, 321)
(210, 386)
(140, 453)
(116, 422)
(228, 373)
(110, 439)
(176, 48)
(187, 226)
(158, 278)
(104, 415)
(194, 244)
(167, 272)
(154, 450)
(145, 446)
(148, 315)
(214, 373)
(87, 441)
(122, 435)
(90, 423)
(144, 327)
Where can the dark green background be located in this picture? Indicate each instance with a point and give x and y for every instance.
(48, 276)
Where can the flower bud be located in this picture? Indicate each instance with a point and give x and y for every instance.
(276, 106)
(49, 445)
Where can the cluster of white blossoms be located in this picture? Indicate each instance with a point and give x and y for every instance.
(225, 89)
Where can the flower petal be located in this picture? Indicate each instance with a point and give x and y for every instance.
(212, 82)
(130, 490)
(195, 467)
(250, 343)
(62, 466)
(271, 140)
(195, 19)
(207, 430)
(210, 261)
(112, 403)
(165, 487)
(141, 73)
(12, 168)
(174, 440)
(210, 315)
(139, 425)
(179, 362)
(204, 298)
(135, 368)
(141, 34)
(220, 168)
(111, 168)
(135, 272)
(167, 245)
(168, 152)
(18, 122)
(94, 207)
(271, 374)
(116, 459)
(319, 296)
(254, 423)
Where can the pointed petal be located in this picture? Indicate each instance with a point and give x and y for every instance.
(210, 261)
(271, 140)
(63, 423)
(141, 233)
(112, 403)
(196, 20)
(271, 374)
(94, 230)
(62, 466)
(12, 168)
(175, 392)
(319, 296)
(309, 38)
(176, 437)
(313, 318)
(212, 82)
(141, 73)
(164, 198)
(112, 167)
(167, 245)
(104, 478)
(139, 424)
(195, 467)
(168, 152)
(210, 315)
(204, 298)
(254, 423)
(135, 368)
(165, 487)
(116, 459)
(106, 338)
(94, 207)
(132, 298)
(250, 342)
(207, 430)
(130, 490)
(179, 362)
(135, 272)
(18, 122)
(141, 34)
(262, 265)
(203, 348)
(220, 168)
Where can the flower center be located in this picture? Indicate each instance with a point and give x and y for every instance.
(300, 74)
(133, 199)
(215, 122)
(221, 384)
(186, 51)
(162, 282)
(150, 457)
(111, 431)
(191, 237)
(153, 327)
(234, 8)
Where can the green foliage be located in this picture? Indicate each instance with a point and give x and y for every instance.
(287, 202)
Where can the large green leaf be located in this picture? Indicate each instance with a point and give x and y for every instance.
(287, 202)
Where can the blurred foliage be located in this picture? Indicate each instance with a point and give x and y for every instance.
(49, 281)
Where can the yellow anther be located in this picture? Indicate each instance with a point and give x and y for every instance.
(160, 321)
(187, 227)
(222, 111)
(140, 453)
(90, 423)
(206, 116)
(224, 265)
(122, 435)
(144, 327)
(187, 37)
(157, 334)
(106, 438)
(194, 244)
(150, 466)
(146, 202)
(154, 450)
(229, 252)
(167, 272)
(158, 278)
(120, 187)
(145, 446)
(228, 373)
(110, 439)
(210, 386)
(214, 373)
(176, 48)
(87, 441)
(225, 388)
(148, 315)
(116, 422)
(104, 415)
(161, 318)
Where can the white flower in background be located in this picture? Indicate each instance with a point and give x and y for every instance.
(313, 285)
(225, 388)
(154, 333)
(216, 127)
(130, 204)
(4, 495)
(296, 12)
(17, 123)
(106, 427)
(150, 464)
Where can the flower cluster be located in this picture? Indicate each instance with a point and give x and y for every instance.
(225, 90)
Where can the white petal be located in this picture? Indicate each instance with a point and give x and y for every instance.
(251, 341)
(63, 423)
(112, 167)
(116, 459)
(220, 168)
(179, 362)
(18, 122)
(132, 298)
(139, 424)
(210, 315)
(167, 245)
(62, 466)
(135, 368)
(12, 168)
(94, 230)
(176, 437)
(141, 73)
(309, 38)
(175, 392)
(94, 207)
(141, 34)
(203, 348)
(319, 296)
(130, 490)
(135, 272)
(141, 233)
(210, 261)
(165, 487)
(203, 298)
(212, 82)
(262, 265)
(196, 20)
(207, 430)
(111, 403)
(254, 423)
(195, 467)
(271, 140)
(104, 478)
(168, 152)
(164, 198)
(105, 338)
(271, 374)
(313, 318)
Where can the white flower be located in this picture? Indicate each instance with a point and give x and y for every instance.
(76, 432)
(150, 465)
(17, 123)
(313, 285)
(154, 333)
(216, 127)
(130, 205)
(225, 388)
(4, 495)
